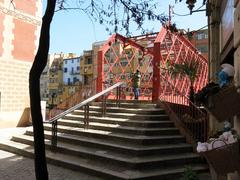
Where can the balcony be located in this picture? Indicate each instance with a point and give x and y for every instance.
(75, 72)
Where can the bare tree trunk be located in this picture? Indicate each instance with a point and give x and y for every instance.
(39, 63)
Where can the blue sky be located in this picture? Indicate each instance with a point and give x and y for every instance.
(73, 31)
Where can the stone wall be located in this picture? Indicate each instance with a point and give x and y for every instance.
(19, 32)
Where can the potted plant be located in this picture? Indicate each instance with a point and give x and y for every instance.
(189, 174)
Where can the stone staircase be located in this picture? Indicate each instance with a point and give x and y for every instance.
(135, 141)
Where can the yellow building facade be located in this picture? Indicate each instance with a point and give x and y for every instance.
(58, 92)
(87, 66)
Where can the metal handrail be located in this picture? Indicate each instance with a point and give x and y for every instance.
(192, 117)
(84, 104)
(84, 92)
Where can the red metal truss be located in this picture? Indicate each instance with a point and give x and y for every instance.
(120, 57)
(175, 48)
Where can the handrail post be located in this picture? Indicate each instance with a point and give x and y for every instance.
(104, 99)
(118, 96)
(54, 135)
(86, 116)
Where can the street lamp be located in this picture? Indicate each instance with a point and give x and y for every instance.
(191, 5)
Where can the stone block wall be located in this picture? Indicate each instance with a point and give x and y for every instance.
(19, 32)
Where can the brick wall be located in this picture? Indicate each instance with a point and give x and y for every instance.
(19, 31)
(24, 40)
(14, 85)
(27, 6)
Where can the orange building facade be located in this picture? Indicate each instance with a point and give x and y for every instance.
(200, 41)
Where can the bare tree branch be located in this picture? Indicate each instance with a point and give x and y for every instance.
(117, 15)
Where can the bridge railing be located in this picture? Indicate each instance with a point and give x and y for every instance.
(191, 118)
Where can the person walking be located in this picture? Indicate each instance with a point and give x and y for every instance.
(136, 84)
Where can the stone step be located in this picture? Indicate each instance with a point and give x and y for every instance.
(123, 147)
(123, 121)
(121, 129)
(134, 141)
(125, 115)
(104, 169)
(104, 134)
(116, 158)
(129, 104)
(129, 110)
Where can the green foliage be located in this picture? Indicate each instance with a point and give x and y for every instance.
(189, 174)
(188, 69)
(173, 28)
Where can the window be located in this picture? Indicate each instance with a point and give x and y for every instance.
(145, 77)
(202, 49)
(201, 36)
(124, 62)
(72, 70)
(69, 81)
(78, 68)
(65, 62)
(85, 79)
(65, 70)
(72, 60)
(75, 79)
(88, 61)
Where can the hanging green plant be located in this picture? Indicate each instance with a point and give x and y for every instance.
(187, 69)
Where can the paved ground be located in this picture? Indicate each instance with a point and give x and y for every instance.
(15, 167)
